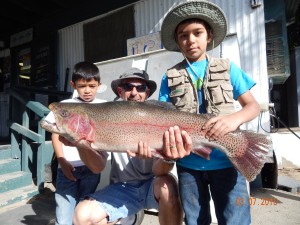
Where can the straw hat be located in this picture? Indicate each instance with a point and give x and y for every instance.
(134, 73)
(203, 10)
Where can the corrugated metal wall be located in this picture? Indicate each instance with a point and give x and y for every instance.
(70, 51)
(149, 15)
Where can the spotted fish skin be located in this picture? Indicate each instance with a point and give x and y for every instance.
(119, 126)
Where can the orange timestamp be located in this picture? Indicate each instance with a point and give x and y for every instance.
(252, 201)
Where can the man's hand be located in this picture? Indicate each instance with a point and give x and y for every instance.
(176, 143)
(143, 151)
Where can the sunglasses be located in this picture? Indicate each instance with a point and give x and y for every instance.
(139, 88)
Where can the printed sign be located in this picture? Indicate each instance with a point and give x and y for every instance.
(144, 44)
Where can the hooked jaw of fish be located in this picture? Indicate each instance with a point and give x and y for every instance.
(51, 127)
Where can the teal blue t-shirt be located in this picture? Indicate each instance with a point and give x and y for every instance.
(240, 82)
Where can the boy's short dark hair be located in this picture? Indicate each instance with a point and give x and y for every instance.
(86, 71)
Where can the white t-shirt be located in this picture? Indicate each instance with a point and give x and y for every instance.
(71, 153)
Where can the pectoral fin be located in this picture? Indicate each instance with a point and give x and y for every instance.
(203, 152)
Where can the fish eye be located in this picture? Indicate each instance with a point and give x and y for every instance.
(64, 113)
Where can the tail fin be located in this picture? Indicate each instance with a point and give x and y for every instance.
(253, 160)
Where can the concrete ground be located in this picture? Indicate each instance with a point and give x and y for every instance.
(268, 206)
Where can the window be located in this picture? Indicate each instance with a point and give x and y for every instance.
(106, 38)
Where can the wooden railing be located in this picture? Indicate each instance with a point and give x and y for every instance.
(22, 136)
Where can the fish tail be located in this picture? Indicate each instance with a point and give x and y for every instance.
(250, 163)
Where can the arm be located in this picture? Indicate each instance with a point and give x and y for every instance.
(66, 167)
(94, 160)
(220, 125)
(160, 167)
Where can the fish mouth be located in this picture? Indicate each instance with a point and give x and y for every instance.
(51, 127)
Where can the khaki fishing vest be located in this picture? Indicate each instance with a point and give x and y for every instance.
(217, 88)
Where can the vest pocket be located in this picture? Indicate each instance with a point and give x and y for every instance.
(179, 95)
(179, 90)
(221, 93)
(179, 102)
(175, 78)
(219, 76)
(175, 81)
(227, 92)
(215, 94)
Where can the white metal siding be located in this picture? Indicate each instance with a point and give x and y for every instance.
(70, 51)
(149, 15)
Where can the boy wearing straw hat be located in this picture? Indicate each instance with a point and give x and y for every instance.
(201, 84)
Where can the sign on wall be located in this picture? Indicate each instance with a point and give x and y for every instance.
(144, 44)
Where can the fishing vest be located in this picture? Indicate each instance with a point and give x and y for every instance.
(218, 95)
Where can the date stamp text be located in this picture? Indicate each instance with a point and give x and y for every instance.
(252, 201)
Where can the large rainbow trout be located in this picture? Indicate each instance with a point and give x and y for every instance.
(119, 126)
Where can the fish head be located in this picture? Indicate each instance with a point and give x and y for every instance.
(71, 122)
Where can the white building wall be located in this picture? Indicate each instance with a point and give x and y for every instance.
(149, 15)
